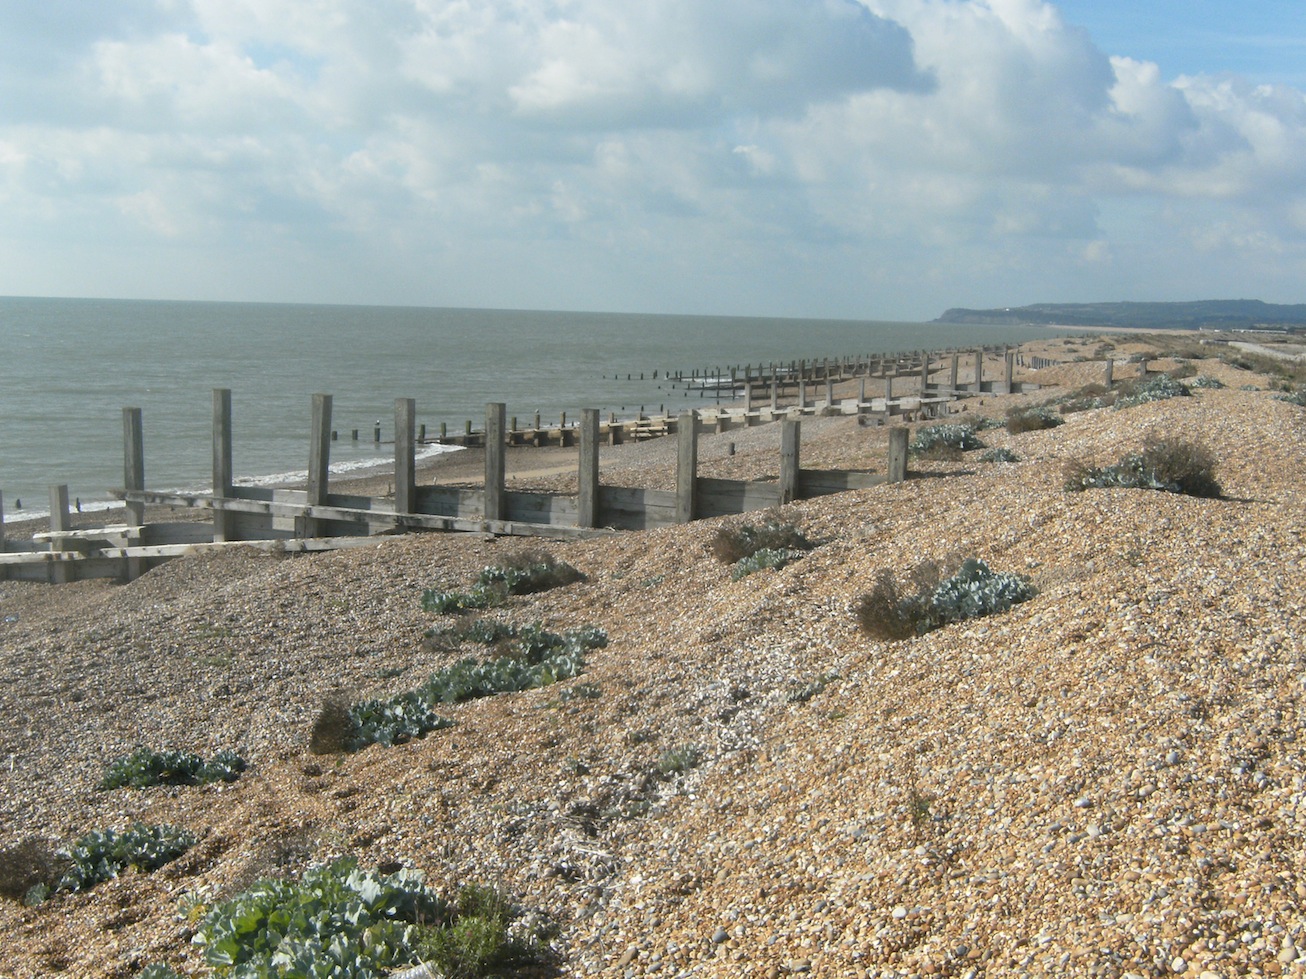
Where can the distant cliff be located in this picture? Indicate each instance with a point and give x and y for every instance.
(1218, 314)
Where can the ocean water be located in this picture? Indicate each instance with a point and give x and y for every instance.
(69, 366)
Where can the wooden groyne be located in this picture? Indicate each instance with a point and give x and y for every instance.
(314, 518)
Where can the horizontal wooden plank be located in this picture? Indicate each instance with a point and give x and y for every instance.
(817, 482)
(722, 497)
(627, 508)
(550, 508)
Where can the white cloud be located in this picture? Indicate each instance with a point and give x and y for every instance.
(790, 155)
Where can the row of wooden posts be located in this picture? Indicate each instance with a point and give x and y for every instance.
(314, 518)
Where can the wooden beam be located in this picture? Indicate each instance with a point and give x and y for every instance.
(133, 459)
(405, 455)
(897, 454)
(588, 497)
(789, 435)
(223, 478)
(495, 420)
(319, 459)
(686, 466)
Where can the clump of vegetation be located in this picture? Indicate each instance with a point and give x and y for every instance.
(1206, 381)
(1168, 463)
(675, 761)
(1297, 398)
(1158, 387)
(1032, 419)
(104, 854)
(800, 693)
(750, 547)
(733, 544)
(521, 573)
(933, 600)
(28, 869)
(159, 971)
(998, 455)
(146, 767)
(1087, 398)
(986, 422)
(946, 441)
(338, 920)
(537, 659)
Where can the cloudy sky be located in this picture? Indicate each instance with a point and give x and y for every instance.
(846, 158)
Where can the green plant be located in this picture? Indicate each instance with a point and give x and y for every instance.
(675, 761)
(888, 612)
(445, 602)
(1297, 398)
(104, 854)
(944, 441)
(765, 558)
(998, 455)
(800, 693)
(1158, 387)
(1168, 463)
(527, 572)
(145, 767)
(158, 971)
(1032, 419)
(735, 543)
(1206, 381)
(478, 940)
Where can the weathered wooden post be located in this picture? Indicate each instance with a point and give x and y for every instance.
(587, 500)
(952, 373)
(1008, 372)
(888, 395)
(319, 461)
(3, 571)
(979, 371)
(59, 523)
(405, 455)
(829, 394)
(925, 375)
(775, 390)
(1142, 367)
(1109, 380)
(802, 392)
(897, 454)
(789, 429)
(686, 465)
(222, 474)
(495, 499)
(133, 462)
(861, 393)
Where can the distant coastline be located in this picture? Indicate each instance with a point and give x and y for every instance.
(1212, 314)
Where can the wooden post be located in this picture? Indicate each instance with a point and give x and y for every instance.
(1008, 371)
(829, 393)
(979, 371)
(319, 459)
(748, 393)
(133, 461)
(861, 392)
(587, 501)
(802, 392)
(405, 455)
(1142, 367)
(925, 374)
(775, 390)
(59, 571)
(952, 373)
(1110, 370)
(789, 429)
(897, 454)
(2, 531)
(222, 473)
(495, 414)
(686, 465)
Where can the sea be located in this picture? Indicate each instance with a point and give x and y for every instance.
(69, 366)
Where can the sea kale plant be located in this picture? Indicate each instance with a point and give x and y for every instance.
(1033, 419)
(538, 658)
(1159, 387)
(749, 547)
(521, 573)
(944, 441)
(934, 599)
(104, 854)
(1166, 462)
(340, 921)
(145, 767)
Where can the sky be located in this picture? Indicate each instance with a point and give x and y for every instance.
(862, 159)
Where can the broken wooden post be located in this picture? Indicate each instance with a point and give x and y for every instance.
(495, 499)
(952, 373)
(1110, 370)
(897, 454)
(1008, 372)
(133, 462)
(925, 374)
(319, 461)
(587, 500)
(222, 474)
(686, 465)
(405, 455)
(829, 393)
(979, 371)
(789, 460)
(775, 389)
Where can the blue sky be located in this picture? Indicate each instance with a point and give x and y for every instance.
(844, 158)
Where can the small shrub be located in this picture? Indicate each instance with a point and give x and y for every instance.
(478, 941)
(1167, 463)
(1032, 419)
(446, 602)
(766, 558)
(146, 767)
(944, 441)
(158, 971)
(675, 761)
(1297, 398)
(801, 693)
(974, 590)
(1159, 387)
(102, 855)
(334, 730)
(733, 544)
(998, 455)
(1181, 370)
(27, 869)
(1206, 381)
(986, 422)
(528, 572)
